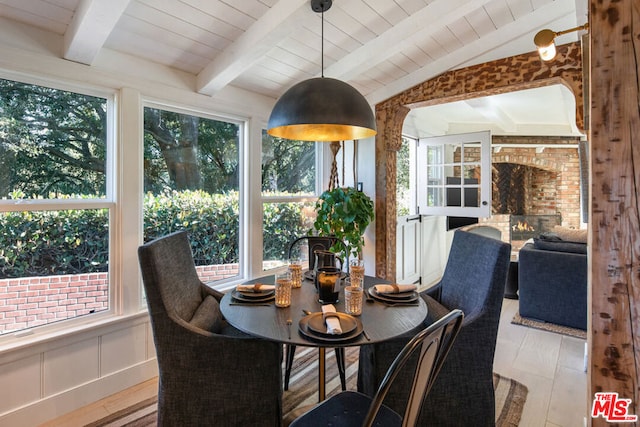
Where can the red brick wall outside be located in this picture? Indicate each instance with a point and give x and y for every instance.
(34, 301)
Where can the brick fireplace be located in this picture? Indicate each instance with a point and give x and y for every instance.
(536, 180)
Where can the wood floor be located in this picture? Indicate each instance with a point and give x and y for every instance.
(550, 365)
(102, 408)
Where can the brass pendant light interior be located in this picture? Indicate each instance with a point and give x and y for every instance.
(322, 108)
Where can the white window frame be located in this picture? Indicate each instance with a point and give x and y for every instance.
(320, 151)
(108, 202)
(243, 189)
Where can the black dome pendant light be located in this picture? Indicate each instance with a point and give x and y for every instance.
(322, 108)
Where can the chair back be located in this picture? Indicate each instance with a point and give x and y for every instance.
(485, 230)
(431, 345)
(475, 276)
(170, 278)
(314, 243)
(202, 360)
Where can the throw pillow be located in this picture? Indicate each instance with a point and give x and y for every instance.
(549, 236)
(559, 246)
(571, 234)
(208, 316)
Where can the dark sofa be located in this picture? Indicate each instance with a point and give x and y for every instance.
(553, 281)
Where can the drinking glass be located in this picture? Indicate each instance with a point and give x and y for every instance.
(356, 282)
(295, 267)
(353, 300)
(283, 289)
(356, 271)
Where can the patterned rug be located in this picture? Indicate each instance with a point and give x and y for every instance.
(303, 391)
(546, 326)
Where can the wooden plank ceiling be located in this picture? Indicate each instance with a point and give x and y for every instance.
(381, 47)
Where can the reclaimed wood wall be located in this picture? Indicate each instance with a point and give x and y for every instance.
(615, 210)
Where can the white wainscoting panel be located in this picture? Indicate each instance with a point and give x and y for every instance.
(47, 379)
(26, 373)
(68, 366)
(112, 356)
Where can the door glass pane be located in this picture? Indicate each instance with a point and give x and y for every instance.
(450, 169)
(435, 173)
(435, 196)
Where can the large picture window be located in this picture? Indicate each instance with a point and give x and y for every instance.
(192, 183)
(290, 187)
(55, 205)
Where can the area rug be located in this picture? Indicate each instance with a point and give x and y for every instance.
(303, 390)
(546, 326)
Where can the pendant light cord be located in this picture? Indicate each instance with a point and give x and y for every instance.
(322, 44)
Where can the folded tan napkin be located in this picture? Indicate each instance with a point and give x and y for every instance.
(331, 319)
(394, 289)
(256, 287)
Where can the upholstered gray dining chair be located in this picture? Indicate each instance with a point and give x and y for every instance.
(210, 373)
(424, 354)
(462, 395)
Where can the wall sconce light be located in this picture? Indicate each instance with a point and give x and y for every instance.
(322, 109)
(545, 41)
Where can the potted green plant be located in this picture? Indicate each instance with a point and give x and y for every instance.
(344, 213)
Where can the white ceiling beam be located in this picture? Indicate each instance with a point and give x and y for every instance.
(416, 27)
(531, 24)
(493, 113)
(420, 127)
(92, 23)
(252, 45)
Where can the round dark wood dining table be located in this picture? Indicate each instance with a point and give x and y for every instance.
(380, 321)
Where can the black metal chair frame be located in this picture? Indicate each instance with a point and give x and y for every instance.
(432, 344)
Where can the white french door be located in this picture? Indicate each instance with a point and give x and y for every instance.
(449, 176)
(454, 175)
(409, 249)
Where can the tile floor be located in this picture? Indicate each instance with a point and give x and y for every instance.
(550, 365)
